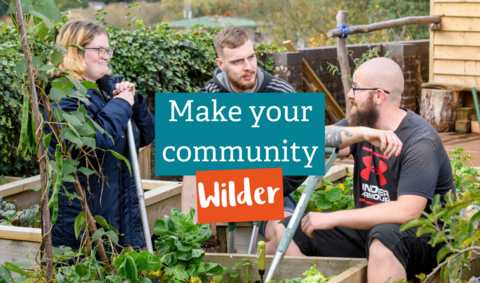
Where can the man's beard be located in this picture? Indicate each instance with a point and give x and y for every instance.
(365, 118)
(242, 86)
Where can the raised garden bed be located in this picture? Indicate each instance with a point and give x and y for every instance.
(160, 197)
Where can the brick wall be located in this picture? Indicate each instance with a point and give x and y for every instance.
(412, 56)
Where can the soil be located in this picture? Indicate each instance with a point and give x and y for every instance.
(210, 245)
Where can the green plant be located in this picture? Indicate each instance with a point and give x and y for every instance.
(330, 197)
(463, 176)
(179, 244)
(12, 215)
(455, 226)
(311, 276)
(131, 264)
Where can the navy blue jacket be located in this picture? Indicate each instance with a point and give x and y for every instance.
(113, 196)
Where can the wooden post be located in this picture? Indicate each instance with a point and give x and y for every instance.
(47, 225)
(434, 22)
(343, 60)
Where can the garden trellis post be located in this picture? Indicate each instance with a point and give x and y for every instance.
(47, 225)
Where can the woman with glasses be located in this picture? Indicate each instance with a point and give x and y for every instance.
(111, 192)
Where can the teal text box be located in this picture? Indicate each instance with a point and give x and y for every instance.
(236, 138)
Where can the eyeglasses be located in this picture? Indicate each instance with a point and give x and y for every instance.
(355, 89)
(102, 52)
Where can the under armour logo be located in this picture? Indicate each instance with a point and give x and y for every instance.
(382, 167)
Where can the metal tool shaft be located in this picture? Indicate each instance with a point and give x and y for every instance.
(138, 185)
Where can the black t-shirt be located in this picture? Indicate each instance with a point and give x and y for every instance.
(423, 167)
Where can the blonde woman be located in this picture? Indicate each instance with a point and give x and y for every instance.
(111, 194)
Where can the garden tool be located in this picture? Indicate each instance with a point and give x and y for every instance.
(231, 237)
(138, 185)
(475, 101)
(298, 214)
(253, 239)
(261, 259)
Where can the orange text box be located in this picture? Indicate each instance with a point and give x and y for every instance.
(240, 195)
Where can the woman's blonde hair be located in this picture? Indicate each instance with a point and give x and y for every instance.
(78, 32)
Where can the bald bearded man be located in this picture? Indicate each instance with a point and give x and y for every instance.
(400, 164)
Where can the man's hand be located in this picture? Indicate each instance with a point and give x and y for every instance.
(386, 140)
(317, 221)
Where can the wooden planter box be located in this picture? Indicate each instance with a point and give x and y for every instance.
(18, 242)
(344, 269)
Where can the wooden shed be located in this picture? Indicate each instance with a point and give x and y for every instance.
(454, 64)
(455, 48)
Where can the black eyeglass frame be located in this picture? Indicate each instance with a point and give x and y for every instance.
(355, 89)
(108, 51)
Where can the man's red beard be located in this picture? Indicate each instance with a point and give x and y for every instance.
(364, 118)
(243, 86)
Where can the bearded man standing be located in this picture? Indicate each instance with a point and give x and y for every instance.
(400, 164)
(237, 72)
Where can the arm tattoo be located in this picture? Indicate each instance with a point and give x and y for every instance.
(333, 135)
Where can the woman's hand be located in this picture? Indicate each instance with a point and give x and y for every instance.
(127, 95)
(120, 87)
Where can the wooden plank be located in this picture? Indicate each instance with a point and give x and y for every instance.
(162, 193)
(145, 162)
(317, 82)
(451, 79)
(454, 67)
(456, 53)
(445, 86)
(19, 186)
(457, 1)
(431, 48)
(457, 10)
(460, 24)
(26, 199)
(355, 274)
(153, 184)
(14, 251)
(20, 233)
(159, 209)
(457, 38)
(8, 179)
(292, 267)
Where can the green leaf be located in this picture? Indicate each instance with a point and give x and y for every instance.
(68, 134)
(56, 94)
(56, 58)
(169, 259)
(20, 67)
(121, 157)
(79, 222)
(443, 252)
(36, 62)
(47, 22)
(113, 236)
(86, 172)
(49, 9)
(36, 188)
(89, 142)
(5, 274)
(333, 194)
(115, 279)
(46, 140)
(71, 119)
(323, 203)
(427, 229)
(437, 237)
(179, 272)
(90, 85)
(68, 179)
(98, 234)
(415, 223)
(80, 88)
(130, 269)
(70, 92)
(83, 271)
(14, 268)
(474, 222)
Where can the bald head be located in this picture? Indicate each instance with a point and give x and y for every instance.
(382, 73)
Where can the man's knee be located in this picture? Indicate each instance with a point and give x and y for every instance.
(378, 250)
